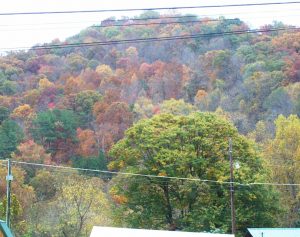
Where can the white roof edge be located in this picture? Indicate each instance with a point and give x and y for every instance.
(126, 232)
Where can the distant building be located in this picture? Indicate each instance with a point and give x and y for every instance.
(273, 232)
(124, 232)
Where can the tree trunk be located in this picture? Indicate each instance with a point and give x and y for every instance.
(169, 214)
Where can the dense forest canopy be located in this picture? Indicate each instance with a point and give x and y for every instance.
(96, 101)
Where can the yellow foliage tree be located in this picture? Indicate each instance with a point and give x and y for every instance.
(176, 107)
(79, 204)
(105, 73)
(22, 112)
(283, 156)
(45, 83)
(104, 70)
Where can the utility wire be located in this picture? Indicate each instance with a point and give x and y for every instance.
(147, 9)
(155, 176)
(125, 23)
(119, 173)
(109, 20)
(137, 24)
(161, 17)
(151, 39)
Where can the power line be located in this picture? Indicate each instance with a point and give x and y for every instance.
(123, 22)
(151, 180)
(151, 39)
(232, 20)
(75, 25)
(126, 23)
(118, 173)
(155, 176)
(110, 20)
(161, 17)
(140, 24)
(147, 9)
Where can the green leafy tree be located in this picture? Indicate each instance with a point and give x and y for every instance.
(195, 147)
(143, 108)
(44, 184)
(96, 163)
(278, 102)
(84, 102)
(176, 107)
(56, 131)
(15, 212)
(4, 113)
(8, 87)
(10, 137)
(76, 62)
(258, 87)
(261, 133)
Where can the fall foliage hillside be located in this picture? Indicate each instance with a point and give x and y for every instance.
(68, 103)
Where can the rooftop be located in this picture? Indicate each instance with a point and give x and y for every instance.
(274, 232)
(124, 232)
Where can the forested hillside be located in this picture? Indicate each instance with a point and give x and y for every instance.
(69, 104)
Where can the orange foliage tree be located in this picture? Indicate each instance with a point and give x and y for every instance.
(111, 122)
(29, 151)
(87, 143)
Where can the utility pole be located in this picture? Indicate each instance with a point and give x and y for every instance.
(9, 178)
(233, 225)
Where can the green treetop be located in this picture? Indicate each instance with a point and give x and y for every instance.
(195, 147)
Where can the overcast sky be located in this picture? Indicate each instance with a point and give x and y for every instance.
(27, 30)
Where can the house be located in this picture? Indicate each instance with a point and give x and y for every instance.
(124, 232)
(273, 232)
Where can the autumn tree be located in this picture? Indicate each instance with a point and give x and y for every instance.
(87, 143)
(167, 81)
(31, 152)
(79, 204)
(23, 197)
(143, 108)
(31, 97)
(22, 112)
(91, 78)
(23, 115)
(111, 121)
(282, 154)
(73, 85)
(45, 83)
(105, 73)
(47, 98)
(201, 97)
